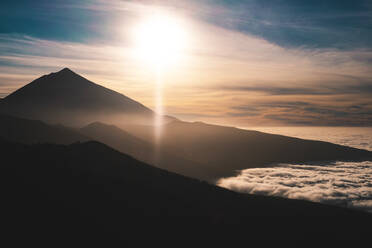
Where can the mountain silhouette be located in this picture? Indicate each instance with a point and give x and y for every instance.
(192, 151)
(88, 192)
(68, 98)
(34, 131)
(145, 151)
(195, 149)
(225, 150)
(37, 132)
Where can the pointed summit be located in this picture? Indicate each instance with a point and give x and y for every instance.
(66, 70)
(65, 73)
(66, 97)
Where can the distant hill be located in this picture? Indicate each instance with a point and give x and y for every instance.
(67, 98)
(33, 131)
(118, 139)
(190, 149)
(89, 192)
(224, 150)
(145, 151)
(37, 132)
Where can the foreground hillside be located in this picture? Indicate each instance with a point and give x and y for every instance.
(89, 192)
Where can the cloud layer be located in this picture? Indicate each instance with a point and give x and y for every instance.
(342, 184)
(347, 184)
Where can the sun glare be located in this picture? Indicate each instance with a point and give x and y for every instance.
(160, 40)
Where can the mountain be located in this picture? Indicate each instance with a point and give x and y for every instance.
(203, 151)
(225, 150)
(37, 132)
(67, 98)
(33, 131)
(119, 139)
(88, 192)
(145, 151)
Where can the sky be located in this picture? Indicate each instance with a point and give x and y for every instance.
(246, 63)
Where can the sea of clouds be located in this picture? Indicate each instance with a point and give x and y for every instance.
(347, 184)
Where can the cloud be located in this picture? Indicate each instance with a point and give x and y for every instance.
(279, 90)
(309, 112)
(291, 24)
(320, 24)
(343, 184)
(353, 87)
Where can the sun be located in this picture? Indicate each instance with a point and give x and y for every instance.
(160, 40)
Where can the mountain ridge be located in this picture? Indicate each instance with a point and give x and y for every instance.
(74, 97)
(227, 150)
(34, 131)
(199, 156)
(145, 151)
(199, 150)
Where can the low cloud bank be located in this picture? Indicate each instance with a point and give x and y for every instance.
(346, 184)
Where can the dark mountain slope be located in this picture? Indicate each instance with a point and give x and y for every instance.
(67, 98)
(144, 151)
(31, 131)
(225, 149)
(119, 139)
(88, 192)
